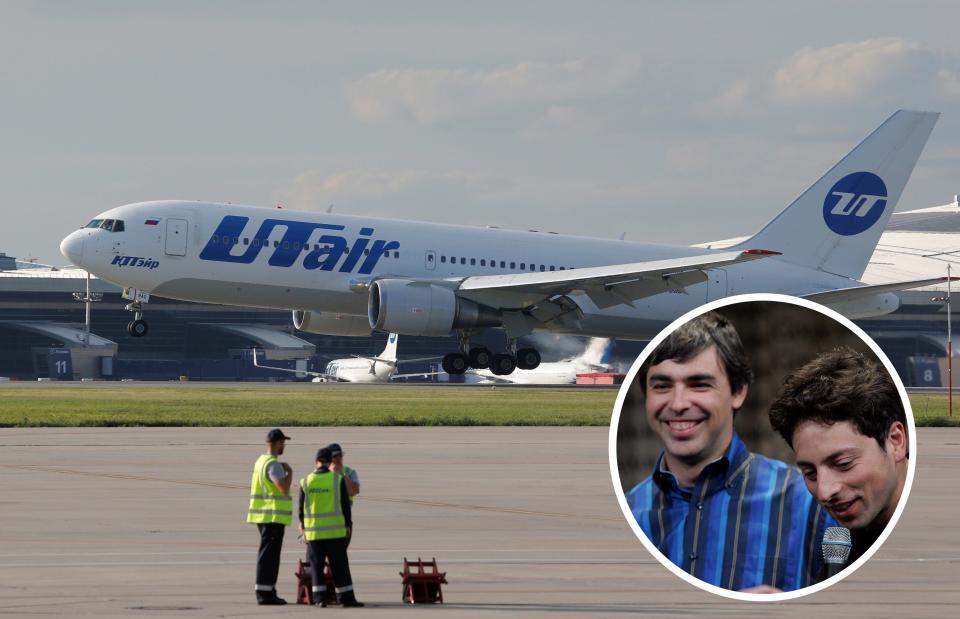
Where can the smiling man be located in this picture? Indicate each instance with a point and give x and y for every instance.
(729, 517)
(845, 420)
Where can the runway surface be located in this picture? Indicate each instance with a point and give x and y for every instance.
(149, 522)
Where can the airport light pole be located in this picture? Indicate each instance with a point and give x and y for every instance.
(949, 345)
(87, 298)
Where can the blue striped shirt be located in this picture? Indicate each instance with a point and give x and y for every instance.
(747, 521)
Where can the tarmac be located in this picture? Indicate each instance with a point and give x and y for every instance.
(149, 522)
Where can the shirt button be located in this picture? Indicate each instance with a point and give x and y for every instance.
(700, 506)
(693, 556)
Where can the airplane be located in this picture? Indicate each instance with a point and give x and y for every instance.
(350, 275)
(357, 369)
(596, 358)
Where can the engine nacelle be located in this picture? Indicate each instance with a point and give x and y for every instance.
(867, 307)
(410, 307)
(330, 323)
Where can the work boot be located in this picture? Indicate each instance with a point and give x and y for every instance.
(350, 601)
(271, 599)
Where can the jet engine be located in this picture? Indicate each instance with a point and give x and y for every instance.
(868, 306)
(411, 307)
(330, 323)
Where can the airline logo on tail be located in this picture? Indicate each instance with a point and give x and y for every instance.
(855, 203)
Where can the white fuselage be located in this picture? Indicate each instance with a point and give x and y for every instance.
(551, 373)
(276, 258)
(360, 370)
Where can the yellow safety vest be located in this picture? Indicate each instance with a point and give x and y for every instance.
(267, 502)
(322, 513)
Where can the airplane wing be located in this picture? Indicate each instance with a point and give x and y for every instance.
(322, 375)
(605, 285)
(398, 361)
(415, 375)
(842, 295)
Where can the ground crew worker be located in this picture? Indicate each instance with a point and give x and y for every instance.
(325, 522)
(271, 509)
(349, 476)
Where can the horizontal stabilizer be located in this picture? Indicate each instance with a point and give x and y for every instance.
(842, 295)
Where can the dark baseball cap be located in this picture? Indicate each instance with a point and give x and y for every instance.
(335, 449)
(276, 435)
(324, 455)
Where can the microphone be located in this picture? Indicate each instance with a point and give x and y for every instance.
(836, 549)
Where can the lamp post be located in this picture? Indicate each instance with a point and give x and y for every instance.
(87, 298)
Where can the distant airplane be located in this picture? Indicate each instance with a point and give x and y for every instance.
(596, 358)
(357, 369)
(347, 275)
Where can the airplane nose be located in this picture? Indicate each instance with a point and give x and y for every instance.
(72, 247)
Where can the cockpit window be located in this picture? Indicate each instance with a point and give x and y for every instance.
(94, 223)
(110, 225)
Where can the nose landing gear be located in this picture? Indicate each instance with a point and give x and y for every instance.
(138, 326)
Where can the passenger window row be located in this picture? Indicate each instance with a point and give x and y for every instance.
(503, 264)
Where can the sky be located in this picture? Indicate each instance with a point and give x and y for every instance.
(676, 122)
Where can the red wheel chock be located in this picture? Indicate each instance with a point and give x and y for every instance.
(304, 576)
(421, 581)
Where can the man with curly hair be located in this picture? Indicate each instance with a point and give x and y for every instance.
(843, 416)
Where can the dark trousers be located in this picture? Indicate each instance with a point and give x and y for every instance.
(317, 552)
(268, 559)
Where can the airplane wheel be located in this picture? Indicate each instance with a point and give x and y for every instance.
(455, 363)
(479, 358)
(137, 328)
(528, 358)
(503, 365)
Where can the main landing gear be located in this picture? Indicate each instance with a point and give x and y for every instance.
(480, 358)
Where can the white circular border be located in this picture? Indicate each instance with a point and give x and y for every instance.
(615, 422)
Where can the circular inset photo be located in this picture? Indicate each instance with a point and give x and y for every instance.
(762, 447)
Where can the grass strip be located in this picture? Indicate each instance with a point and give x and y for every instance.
(112, 406)
(107, 406)
(933, 410)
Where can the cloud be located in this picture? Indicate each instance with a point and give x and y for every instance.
(885, 71)
(379, 190)
(433, 96)
(732, 100)
(849, 71)
(564, 122)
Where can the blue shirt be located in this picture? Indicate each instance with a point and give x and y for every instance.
(748, 520)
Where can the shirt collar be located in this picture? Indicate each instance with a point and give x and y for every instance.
(725, 468)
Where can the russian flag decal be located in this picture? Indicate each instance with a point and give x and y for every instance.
(151, 222)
